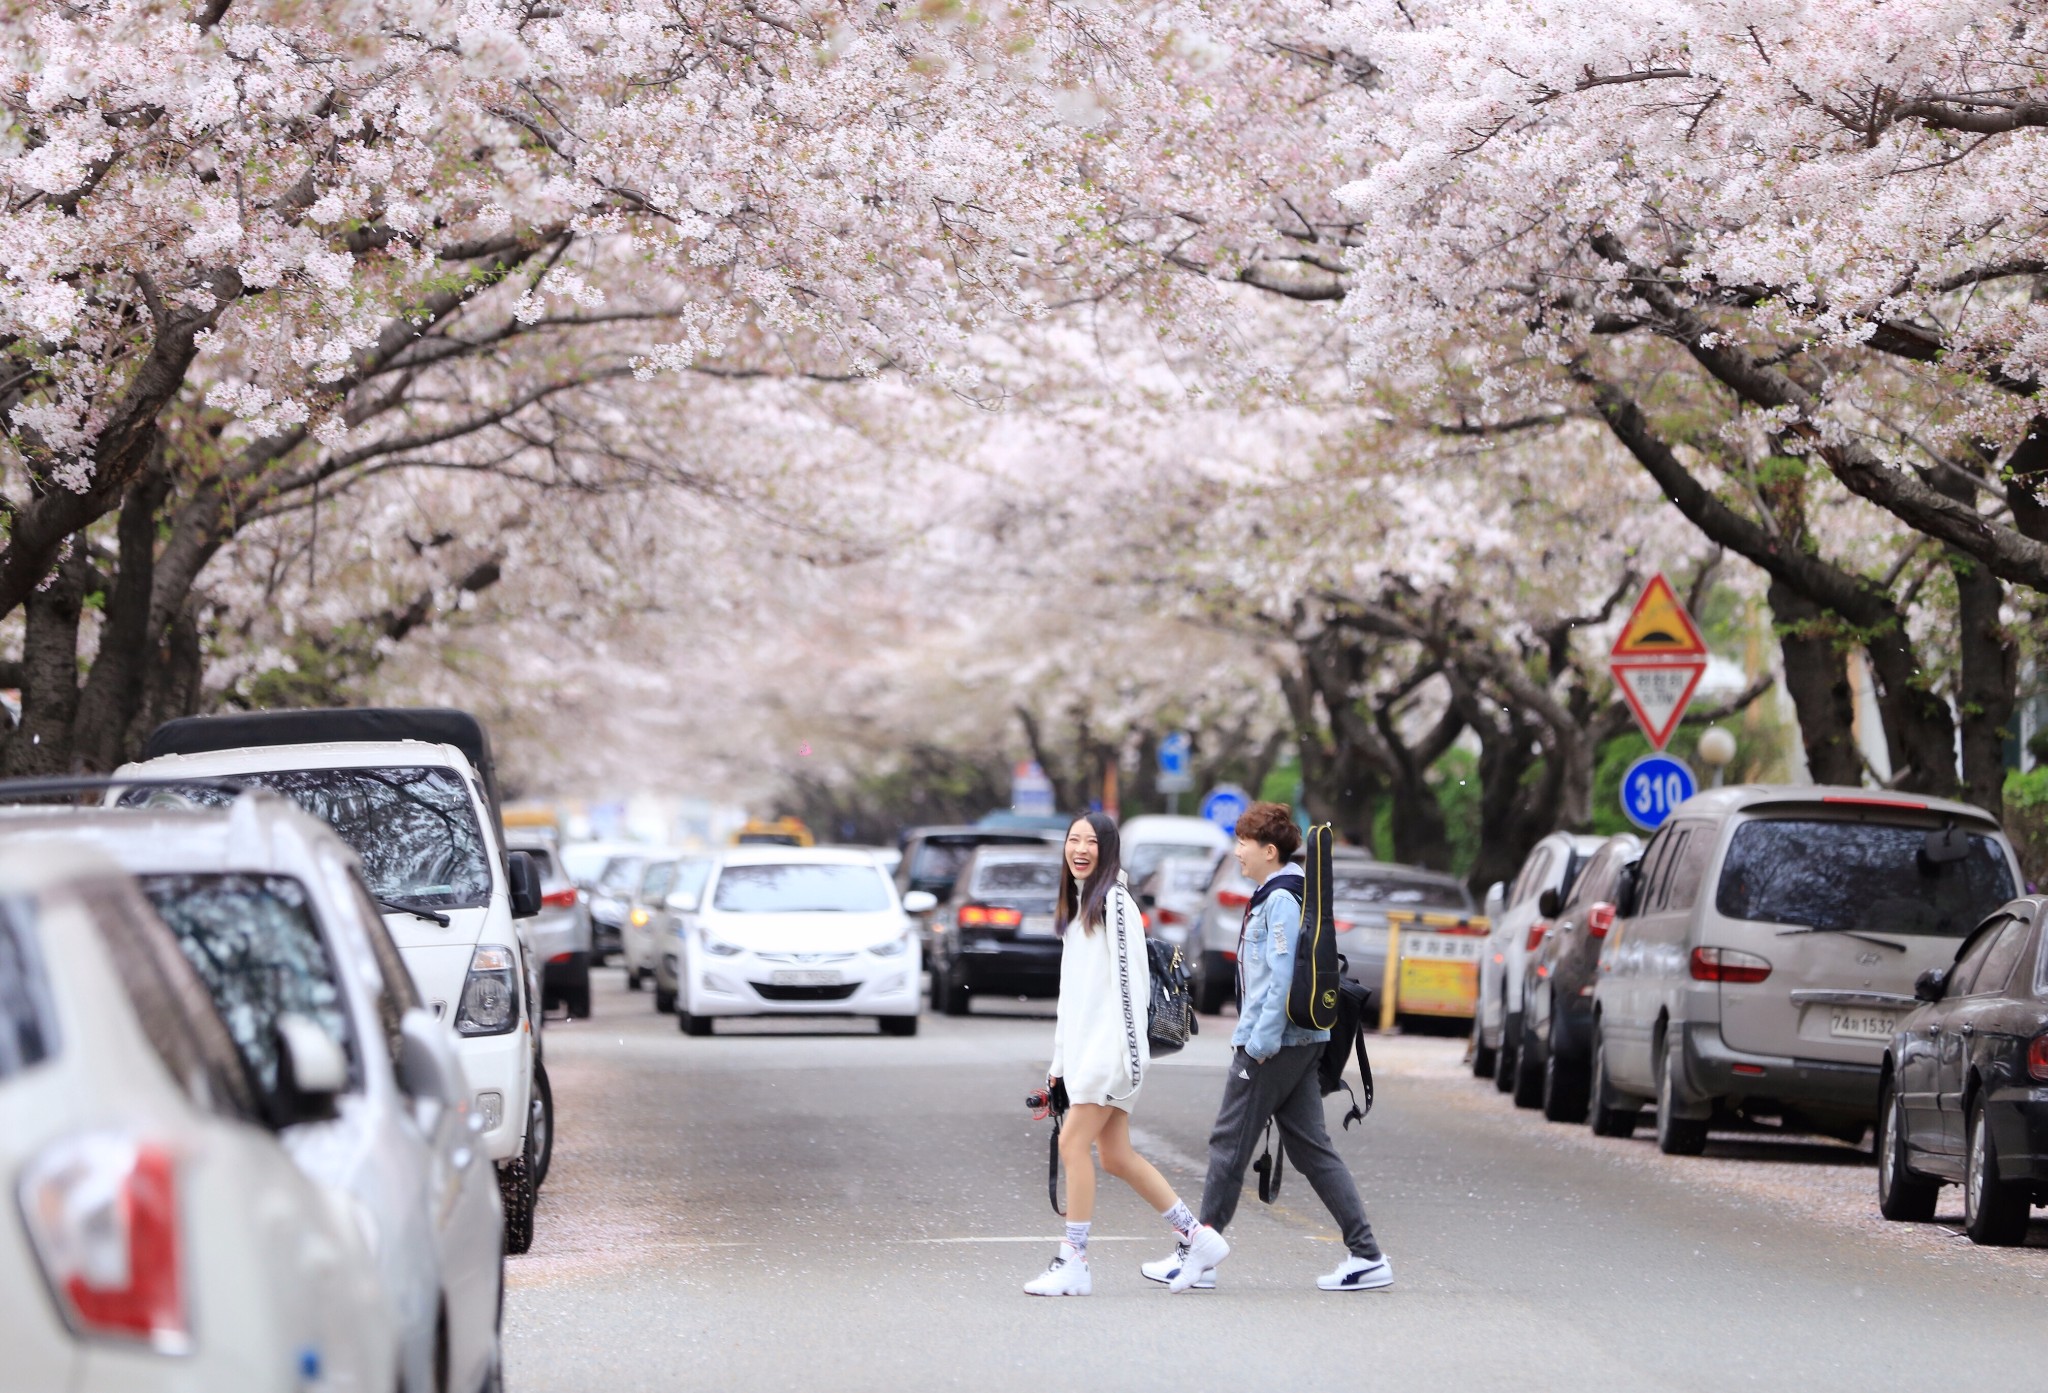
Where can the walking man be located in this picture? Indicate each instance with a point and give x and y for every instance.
(1272, 1077)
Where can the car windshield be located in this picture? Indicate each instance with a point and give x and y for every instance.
(413, 826)
(621, 875)
(1018, 883)
(1859, 875)
(253, 942)
(28, 1016)
(801, 888)
(1143, 859)
(1385, 891)
(936, 865)
(688, 885)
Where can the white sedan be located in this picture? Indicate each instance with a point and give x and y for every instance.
(787, 931)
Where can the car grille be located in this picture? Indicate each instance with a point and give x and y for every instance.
(806, 959)
(770, 992)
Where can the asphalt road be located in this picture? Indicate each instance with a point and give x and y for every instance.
(827, 1209)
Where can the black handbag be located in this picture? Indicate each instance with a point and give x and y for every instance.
(1171, 1019)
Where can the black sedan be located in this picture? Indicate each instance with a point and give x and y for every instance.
(1964, 1092)
(994, 935)
(1554, 1063)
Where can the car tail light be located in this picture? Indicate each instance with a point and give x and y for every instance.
(2037, 1057)
(1464, 928)
(1230, 899)
(988, 916)
(1728, 965)
(1174, 916)
(559, 899)
(560, 958)
(1599, 919)
(102, 1212)
(490, 994)
(1345, 926)
(1536, 932)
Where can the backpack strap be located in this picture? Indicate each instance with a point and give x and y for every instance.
(1123, 978)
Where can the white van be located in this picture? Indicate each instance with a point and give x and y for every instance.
(414, 793)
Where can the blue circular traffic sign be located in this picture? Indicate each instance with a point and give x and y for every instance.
(1224, 805)
(1653, 787)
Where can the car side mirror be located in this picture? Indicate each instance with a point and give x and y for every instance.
(920, 902)
(1549, 903)
(428, 1069)
(680, 902)
(1496, 898)
(1147, 902)
(311, 1071)
(524, 878)
(1928, 985)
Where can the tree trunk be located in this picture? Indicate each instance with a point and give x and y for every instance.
(113, 690)
(41, 744)
(1817, 678)
(1987, 683)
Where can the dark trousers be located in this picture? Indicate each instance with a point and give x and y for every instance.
(1283, 1090)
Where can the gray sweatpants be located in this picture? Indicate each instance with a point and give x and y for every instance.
(1282, 1090)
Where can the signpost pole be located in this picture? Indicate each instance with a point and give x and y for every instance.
(1390, 980)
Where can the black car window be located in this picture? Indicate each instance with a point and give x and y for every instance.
(1591, 885)
(172, 1005)
(1996, 972)
(253, 941)
(1688, 870)
(934, 866)
(1030, 880)
(1870, 876)
(1533, 875)
(414, 827)
(28, 1018)
(1655, 862)
(1963, 974)
(1397, 891)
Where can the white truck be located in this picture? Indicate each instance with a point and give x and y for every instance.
(414, 792)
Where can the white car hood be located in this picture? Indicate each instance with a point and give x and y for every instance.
(804, 933)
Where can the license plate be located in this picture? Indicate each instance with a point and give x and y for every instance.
(804, 979)
(1862, 1025)
(1441, 947)
(1035, 926)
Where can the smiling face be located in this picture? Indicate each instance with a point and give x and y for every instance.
(1083, 850)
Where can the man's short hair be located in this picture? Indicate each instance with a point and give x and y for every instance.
(1271, 824)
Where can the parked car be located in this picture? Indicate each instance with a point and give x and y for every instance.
(584, 863)
(797, 931)
(1963, 1093)
(1363, 892)
(1518, 921)
(1212, 947)
(1172, 896)
(1554, 1056)
(414, 793)
(155, 1236)
(636, 882)
(560, 936)
(995, 937)
(270, 908)
(933, 856)
(1772, 952)
(611, 898)
(671, 909)
(1149, 839)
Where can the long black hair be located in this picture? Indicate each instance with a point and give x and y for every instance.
(1094, 893)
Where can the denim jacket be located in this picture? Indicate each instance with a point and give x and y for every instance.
(1265, 967)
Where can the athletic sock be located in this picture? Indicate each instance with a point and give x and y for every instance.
(1183, 1219)
(1077, 1239)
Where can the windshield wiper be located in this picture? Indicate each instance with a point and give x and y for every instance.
(403, 907)
(1847, 933)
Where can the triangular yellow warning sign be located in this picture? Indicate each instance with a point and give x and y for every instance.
(1659, 627)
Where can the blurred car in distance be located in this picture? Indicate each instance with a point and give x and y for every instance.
(1963, 1093)
(156, 1236)
(1171, 896)
(584, 864)
(611, 895)
(671, 907)
(1554, 1057)
(1518, 921)
(781, 831)
(994, 936)
(933, 856)
(1151, 838)
(559, 937)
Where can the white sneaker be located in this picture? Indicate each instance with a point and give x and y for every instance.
(1068, 1276)
(1358, 1274)
(1205, 1250)
(1163, 1271)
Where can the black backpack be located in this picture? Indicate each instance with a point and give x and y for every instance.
(1313, 996)
(1347, 1037)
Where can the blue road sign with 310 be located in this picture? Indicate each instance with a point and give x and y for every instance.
(1652, 787)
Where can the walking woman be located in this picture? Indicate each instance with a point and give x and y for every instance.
(1099, 1047)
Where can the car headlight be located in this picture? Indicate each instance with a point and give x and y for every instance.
(719, 948)
(639, 917)
(490, 994)
(893, 948)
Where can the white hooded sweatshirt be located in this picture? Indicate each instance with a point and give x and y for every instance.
(1099, 1045)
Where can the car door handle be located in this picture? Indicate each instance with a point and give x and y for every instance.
(1934, 1029)
(1968, 1030)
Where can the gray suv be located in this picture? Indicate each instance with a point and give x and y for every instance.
(1770, 948)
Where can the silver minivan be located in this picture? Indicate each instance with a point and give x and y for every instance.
(1769, 947)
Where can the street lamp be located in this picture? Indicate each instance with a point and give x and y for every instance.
(1716, 749)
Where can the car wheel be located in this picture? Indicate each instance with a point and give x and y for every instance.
(1212, 987)
(897, 1025)
(517, 1196)
(634, 979)
(1994, 1210)
(664, 1000)
(951, 988)
(1676, 1136)
(1901, 1195)
(1528, 1081)
(1605, 1111)
(540, 1125)
(692, 1025)
(1510, 1052)
(1564, 1084)
(1483, 1059)
(577, 997)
